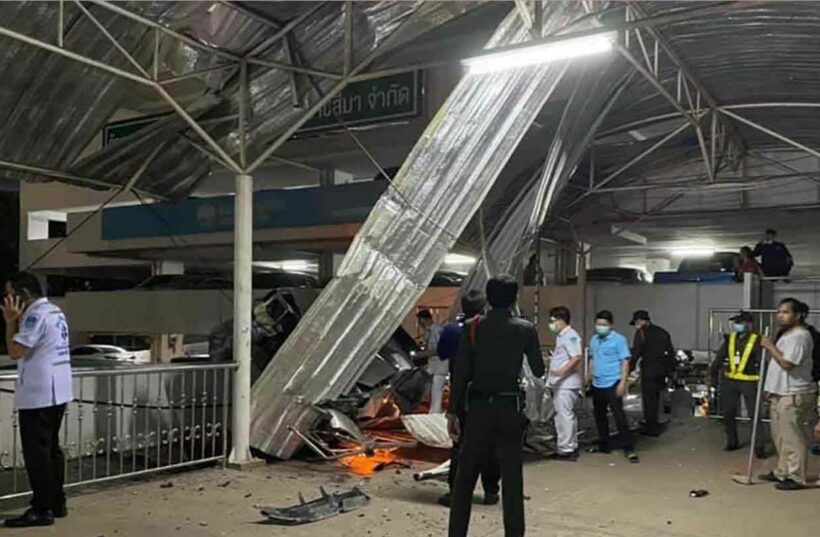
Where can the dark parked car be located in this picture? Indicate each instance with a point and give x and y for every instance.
(261, 280)
(445, 278)
(615, 274)
(717, 262)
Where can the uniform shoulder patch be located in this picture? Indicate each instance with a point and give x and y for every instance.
(574, 339)
(30, 322)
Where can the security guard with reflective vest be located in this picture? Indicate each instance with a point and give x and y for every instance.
(486, 384)
(739, 359)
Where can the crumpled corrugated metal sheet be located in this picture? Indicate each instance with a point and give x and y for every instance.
(411, 229)
(318, 42)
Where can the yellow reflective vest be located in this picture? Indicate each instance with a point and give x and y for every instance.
(736, 370)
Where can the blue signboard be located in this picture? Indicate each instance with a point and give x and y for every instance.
(272, 209)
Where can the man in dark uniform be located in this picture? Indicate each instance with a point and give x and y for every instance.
(472, 305)
(775, 257)
(486, 386)
(652, 347)
(739, 361)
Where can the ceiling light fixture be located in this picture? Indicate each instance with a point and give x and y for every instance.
(692, 251)
(539, 54)
(459, 259)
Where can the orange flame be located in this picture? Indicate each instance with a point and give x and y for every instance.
(367, 465)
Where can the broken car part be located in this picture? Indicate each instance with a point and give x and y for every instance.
(328, 506)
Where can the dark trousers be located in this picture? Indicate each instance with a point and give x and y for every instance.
(604, 399)
(730, 393)
(490, 469)
(651, 391)
(45, 464)
(492, 430)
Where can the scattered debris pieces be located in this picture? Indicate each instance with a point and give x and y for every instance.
(329, 505)
(248, 495)
(439, 472)
(698, 493)
(167, 485)
(429, 429)
(225, 484)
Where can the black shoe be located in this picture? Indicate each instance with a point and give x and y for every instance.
(445, 500)
(789, 484)
(599, 449)
(815, 450)
(632, 457)
(61, 511)
(491, 499)
(770, 477)
(30, 519)
(731, 447)
(566, 457)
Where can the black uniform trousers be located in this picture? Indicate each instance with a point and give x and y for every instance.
(490, 469)
(45, 464)
(730, 393)
(493, 429)
(651, 389)
(604, 399)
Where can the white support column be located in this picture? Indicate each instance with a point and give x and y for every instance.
(243, 303)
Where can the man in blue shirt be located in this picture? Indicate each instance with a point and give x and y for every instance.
(609, 352)
(37, 339)
(472, 305)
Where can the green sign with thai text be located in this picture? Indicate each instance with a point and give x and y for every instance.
(391, 98)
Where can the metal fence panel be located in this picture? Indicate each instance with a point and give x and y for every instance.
(126, 422)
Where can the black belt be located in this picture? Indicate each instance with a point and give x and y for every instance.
(497, 397)
(491, 396)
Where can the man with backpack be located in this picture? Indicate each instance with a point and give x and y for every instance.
(472, 306)
(486, 387)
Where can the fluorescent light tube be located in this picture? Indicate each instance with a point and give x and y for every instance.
(539, 54)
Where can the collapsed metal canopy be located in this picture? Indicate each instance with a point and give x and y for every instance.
(408, 233)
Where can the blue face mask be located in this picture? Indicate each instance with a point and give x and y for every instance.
(740, 328)
(602, 331)
(554, 328)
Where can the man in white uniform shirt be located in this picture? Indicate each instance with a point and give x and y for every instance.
(566, 382)
(438, 368)
(792, 394)
(37, 338)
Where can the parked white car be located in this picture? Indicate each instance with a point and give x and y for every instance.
(111, 352)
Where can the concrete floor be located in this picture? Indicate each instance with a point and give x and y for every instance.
(598, 496)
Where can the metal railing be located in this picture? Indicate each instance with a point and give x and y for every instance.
(128, 421)
(719, 326)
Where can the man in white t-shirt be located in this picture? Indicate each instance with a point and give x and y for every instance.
(792, 394)
(565, 381)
